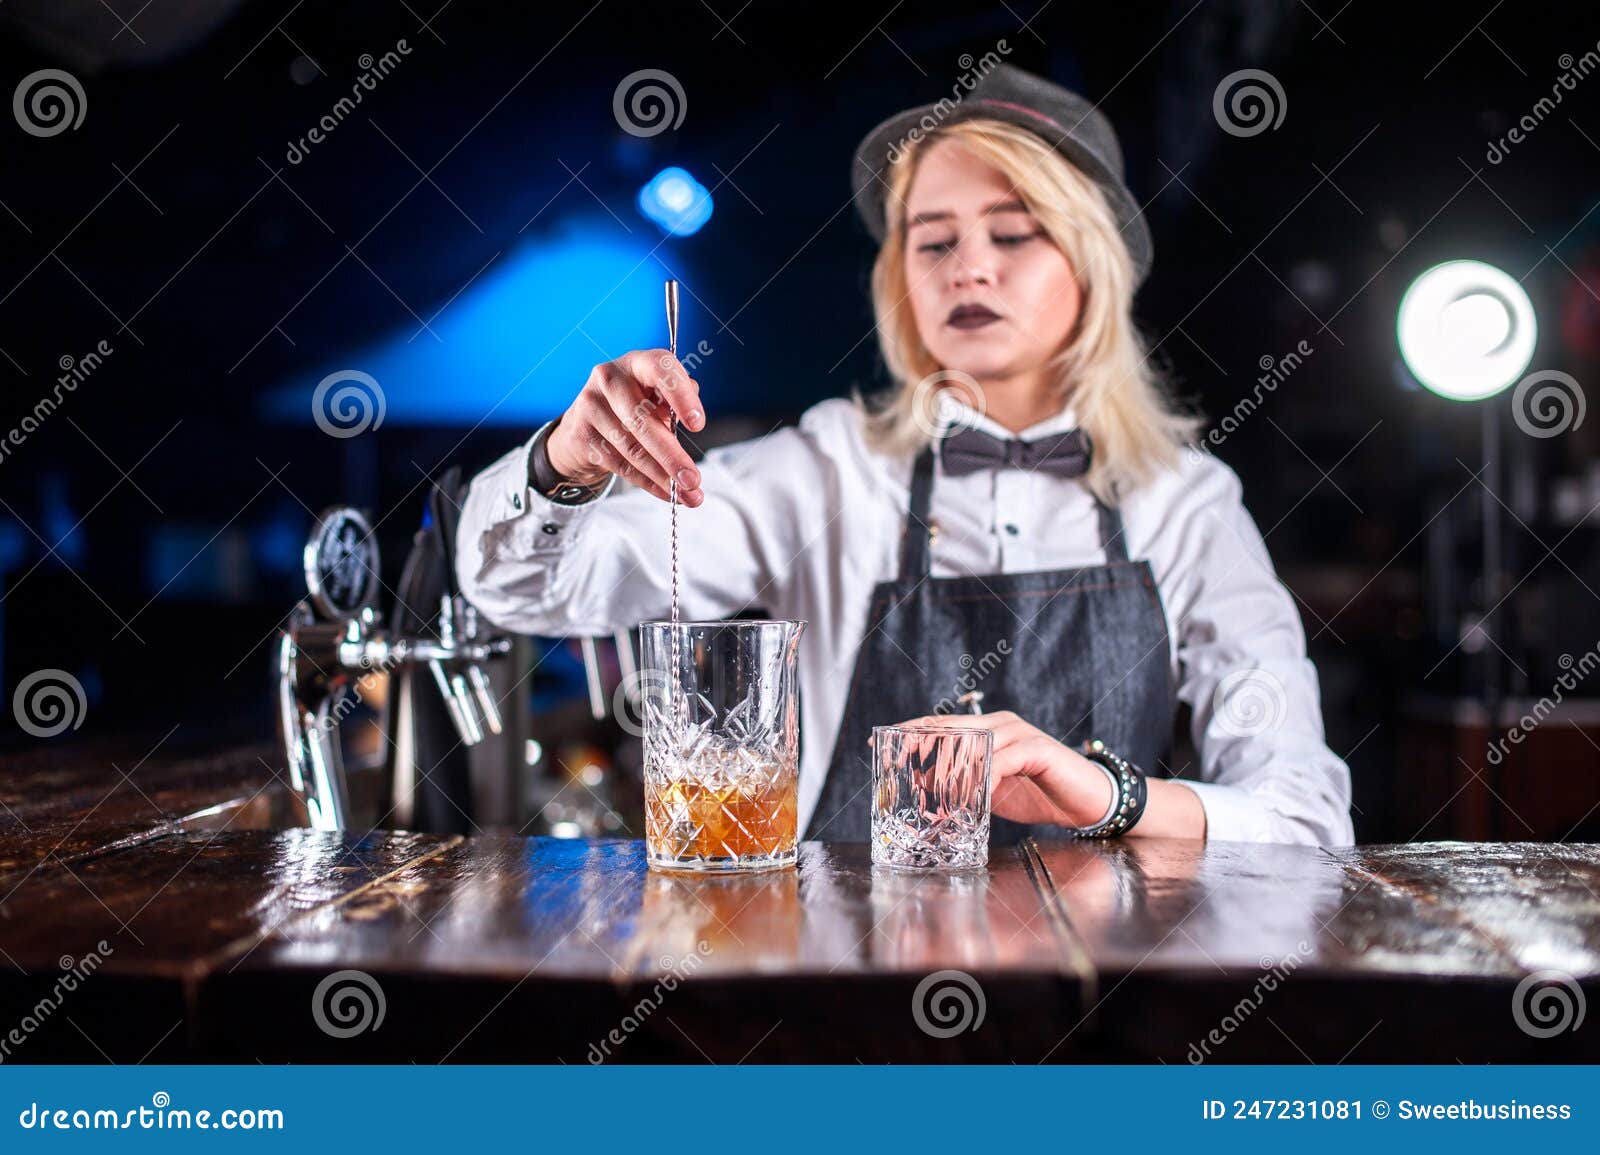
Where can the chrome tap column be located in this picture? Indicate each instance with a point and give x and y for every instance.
(332, 640)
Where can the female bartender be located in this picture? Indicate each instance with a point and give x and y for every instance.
(1021, 524)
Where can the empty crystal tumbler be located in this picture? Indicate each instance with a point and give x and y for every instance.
(930, 796)
(720, 707)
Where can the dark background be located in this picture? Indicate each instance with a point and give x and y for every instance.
(469, 236)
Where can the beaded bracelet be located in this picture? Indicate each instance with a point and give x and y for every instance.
(1131, 794)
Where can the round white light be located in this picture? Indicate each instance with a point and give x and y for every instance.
(1466, 330)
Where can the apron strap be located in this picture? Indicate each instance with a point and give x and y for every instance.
(1112, 539)
(915, 541)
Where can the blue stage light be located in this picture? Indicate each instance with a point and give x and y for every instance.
(676, 201)
(516, 345)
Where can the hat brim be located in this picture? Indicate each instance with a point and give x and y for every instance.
(877, 149)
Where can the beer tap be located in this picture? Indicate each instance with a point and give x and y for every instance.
(333, 640)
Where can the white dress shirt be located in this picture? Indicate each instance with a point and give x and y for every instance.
(806, 521)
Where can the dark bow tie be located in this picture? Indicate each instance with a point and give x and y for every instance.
(1060, 454)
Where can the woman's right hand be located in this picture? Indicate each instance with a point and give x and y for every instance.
(621, 423)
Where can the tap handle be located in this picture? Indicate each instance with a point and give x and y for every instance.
(591, 673)
(484, 693)
(469, 710)
(457, 704)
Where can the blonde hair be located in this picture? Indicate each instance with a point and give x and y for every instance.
(1120, 400)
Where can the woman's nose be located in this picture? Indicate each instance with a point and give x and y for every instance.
(969, 268)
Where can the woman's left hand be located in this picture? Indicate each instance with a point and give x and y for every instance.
(1036, 778)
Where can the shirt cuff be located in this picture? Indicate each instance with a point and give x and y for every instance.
(1231, 814)
(539, 524)
(543, 478)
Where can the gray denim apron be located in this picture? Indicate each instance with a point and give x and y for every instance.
(1085, 655)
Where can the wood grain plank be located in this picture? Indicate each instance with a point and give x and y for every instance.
(540, 949)
(92, 798)
(1185, 905)
(505, 905)
(1537, 903)
(176, 905)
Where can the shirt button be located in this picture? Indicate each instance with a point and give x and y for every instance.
(551, 528)
(516, 501)
(1012, 529)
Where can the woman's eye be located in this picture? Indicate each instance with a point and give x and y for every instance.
(936, 247)
(1013, 241)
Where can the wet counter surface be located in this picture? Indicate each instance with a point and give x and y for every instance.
(215, 933)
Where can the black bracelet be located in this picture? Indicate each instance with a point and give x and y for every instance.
(1131, 794)
(542, 477)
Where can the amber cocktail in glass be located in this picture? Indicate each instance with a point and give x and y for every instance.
(721, 744)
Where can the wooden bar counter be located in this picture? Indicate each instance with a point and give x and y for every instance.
(220, 924)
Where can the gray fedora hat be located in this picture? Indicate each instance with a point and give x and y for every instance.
(1066, 121)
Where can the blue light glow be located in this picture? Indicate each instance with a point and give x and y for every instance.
(518, 343)
(676, 201)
